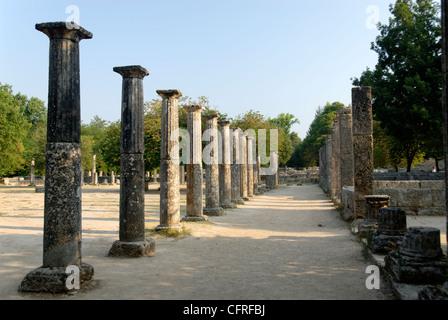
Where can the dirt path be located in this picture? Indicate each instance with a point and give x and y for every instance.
(288, 244)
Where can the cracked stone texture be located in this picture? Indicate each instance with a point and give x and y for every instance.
(62, 219)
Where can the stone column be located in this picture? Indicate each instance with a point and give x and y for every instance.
(255, 169)
(419, 258)
(337, 190)
(236, 169)
(373, 204)
(243, 166)
(94, 175)
(329, 162)
(270, 179)
(211, 159)
(391, 229)
(258, 165)
(194, 166)
(132, 241)
(225, 173)
(169, 161)
(62, 209)
(345, 147)
(32, 177)
(154, 176)
(250, 167)
(362, 147)
(277, 167)
(182, 174)
(112, 178)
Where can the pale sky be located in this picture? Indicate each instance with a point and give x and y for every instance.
(273, 56)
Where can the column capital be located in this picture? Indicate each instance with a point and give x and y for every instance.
(59, 30)
(211, 116)
(169, 94)
(132, 71)
(194, 108)
(224, 123)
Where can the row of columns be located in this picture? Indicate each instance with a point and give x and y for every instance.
(347, 158)
(62, 258)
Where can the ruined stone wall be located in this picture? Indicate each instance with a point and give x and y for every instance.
(292, 175)
(417, 197)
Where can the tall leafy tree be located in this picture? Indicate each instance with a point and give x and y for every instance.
(306, 154)
(407, 80)
(13, 131)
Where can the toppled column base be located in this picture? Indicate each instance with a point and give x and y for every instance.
(419, 259)
(416, 271)
(136, 249)
(53, 279)
(383, 243)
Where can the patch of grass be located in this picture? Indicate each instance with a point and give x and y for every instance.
(168, 233)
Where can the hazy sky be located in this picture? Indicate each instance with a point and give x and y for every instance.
(273, 56)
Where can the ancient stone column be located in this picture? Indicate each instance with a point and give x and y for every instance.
(243, 166)
(169, 161)
(154, 176)
(277, 167)
(32, 177)
(391, 229)
(346, 169)
(373, 204)
(419, 258)
(250, 167)
(182, 174)
(94, 174)
(112, 178)
(211, 159)
(236, 168)
(194, 166)
(336, 188)
(225, 173)
(63, 181)
(258, 166)
(132, 241)
(270, 179)
(362, 130)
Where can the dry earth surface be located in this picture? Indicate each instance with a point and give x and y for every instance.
(287, 244)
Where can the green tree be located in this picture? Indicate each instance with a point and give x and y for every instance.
(13, 131)
(34, 144)
(110, 146)
(307, 153)
(407, 80)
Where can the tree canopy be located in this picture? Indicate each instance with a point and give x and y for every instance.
(407, 81)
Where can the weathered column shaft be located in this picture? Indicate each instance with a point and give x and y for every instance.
(132, 241)
(250, 167)
(211, 159)
(32, 177)
(345, 148)
(362, 128)
(169, 161)
(225, 171)
(236, 168)
(243, 166)
(63, 180)
(194, 165)
(336, 188)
